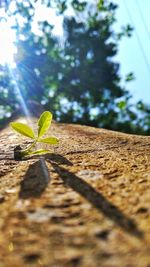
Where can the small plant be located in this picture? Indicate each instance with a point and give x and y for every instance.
(44, 123)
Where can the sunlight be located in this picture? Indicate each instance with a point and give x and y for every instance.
(43, 12)
(19, 95)
(7, 47)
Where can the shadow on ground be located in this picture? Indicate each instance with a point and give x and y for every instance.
(95, 197)
(37, 178)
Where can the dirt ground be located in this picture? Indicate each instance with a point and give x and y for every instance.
(86, 204)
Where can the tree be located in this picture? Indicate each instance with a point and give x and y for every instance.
(87, 87)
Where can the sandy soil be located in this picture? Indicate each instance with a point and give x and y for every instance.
(85, 204)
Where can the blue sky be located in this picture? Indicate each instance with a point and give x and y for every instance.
(130, 54)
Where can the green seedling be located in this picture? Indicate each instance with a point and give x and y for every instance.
(44, 123)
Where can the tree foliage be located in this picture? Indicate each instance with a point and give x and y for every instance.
(75, 76)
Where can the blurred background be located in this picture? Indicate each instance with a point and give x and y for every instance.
(86, 61)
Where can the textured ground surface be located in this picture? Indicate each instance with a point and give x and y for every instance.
(87, 204)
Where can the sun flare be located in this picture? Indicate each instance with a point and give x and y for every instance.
(7, 47)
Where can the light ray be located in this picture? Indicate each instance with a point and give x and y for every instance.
(19, 94)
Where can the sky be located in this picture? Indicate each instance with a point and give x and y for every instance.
(134, 52)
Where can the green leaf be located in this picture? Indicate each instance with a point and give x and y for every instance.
(44, 123)
(23, 129)
(49, 140)
(122, 104)
(37, 152)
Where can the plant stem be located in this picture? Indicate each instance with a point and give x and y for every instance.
(30, 146)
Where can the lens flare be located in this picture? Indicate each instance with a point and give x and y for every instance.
(19, 95)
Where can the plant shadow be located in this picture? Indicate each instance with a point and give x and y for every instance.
(94, 197)
(35, 180)
(58, 159)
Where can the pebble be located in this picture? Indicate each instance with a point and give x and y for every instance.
(90, 174)
(2, 198)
